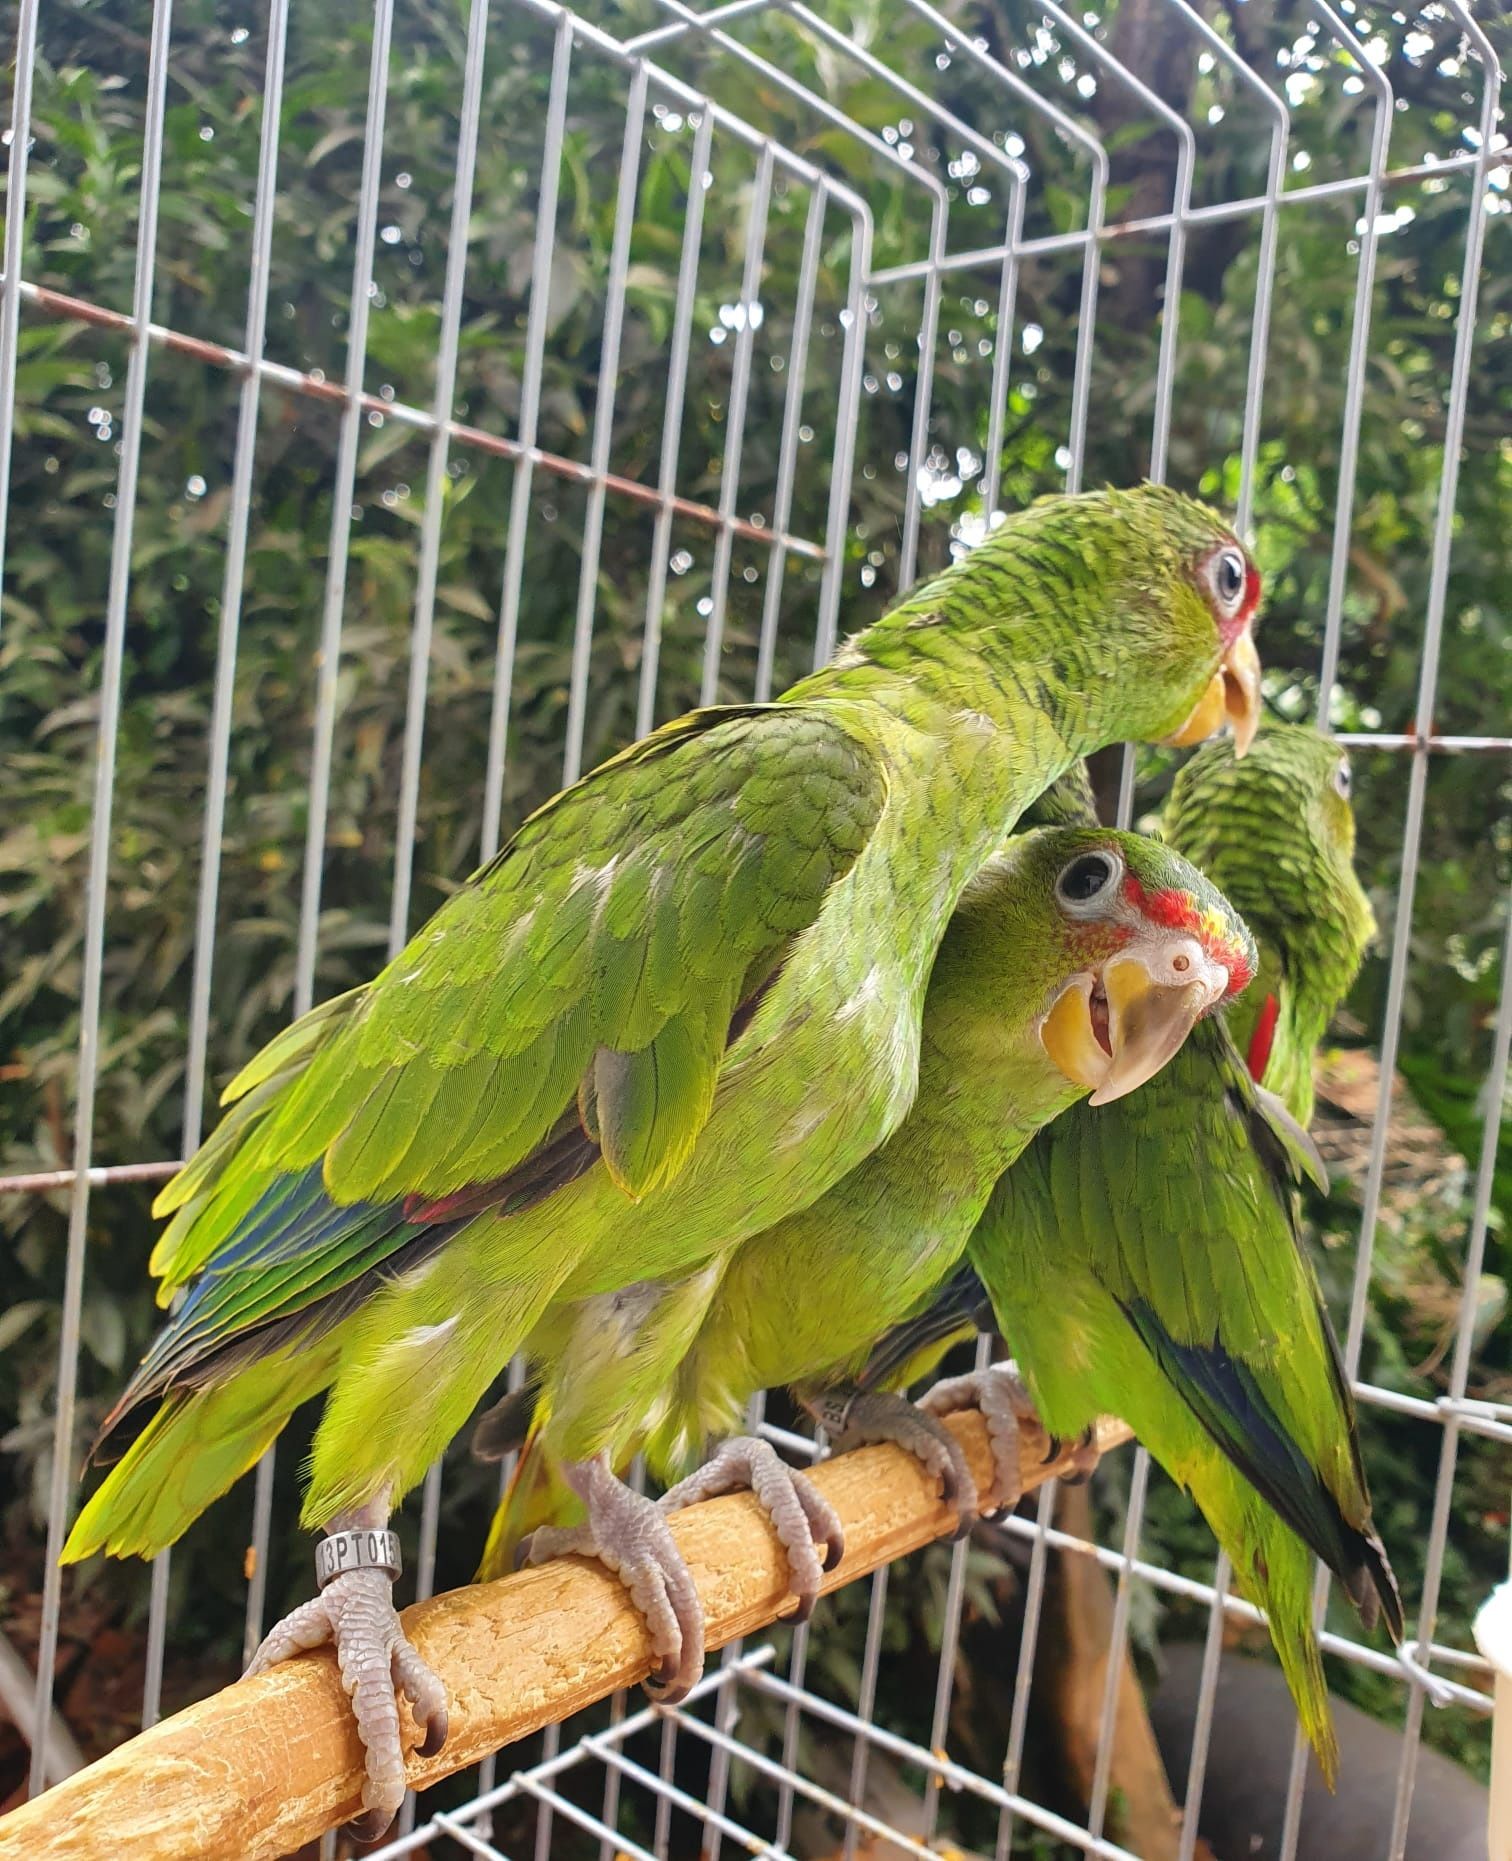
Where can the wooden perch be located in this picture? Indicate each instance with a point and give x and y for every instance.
(270, 1763)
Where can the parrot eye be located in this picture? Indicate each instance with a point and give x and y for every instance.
(1343, 781)
(1228, 575)
(1087, 877)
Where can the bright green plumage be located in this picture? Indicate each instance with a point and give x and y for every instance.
(1151, 1248)
(1279, 830)
(682, 1002)
(665, 1365)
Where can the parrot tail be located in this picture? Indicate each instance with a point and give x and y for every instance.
(537, 1495)
(197, 1445)
(1371, 1585)
(1274, 1571)
(1326, 1506)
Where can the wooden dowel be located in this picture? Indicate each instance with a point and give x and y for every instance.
(267, 1764)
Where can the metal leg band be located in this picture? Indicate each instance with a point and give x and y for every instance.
(356, 1550)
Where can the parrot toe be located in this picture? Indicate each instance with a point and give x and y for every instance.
(426, 1695)
(866, 1417)
(355, 1612)
(801, 1516)
(627, 1533)
(1085, 1454)
(999, 1392)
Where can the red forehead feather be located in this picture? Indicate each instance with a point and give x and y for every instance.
(1176, 910)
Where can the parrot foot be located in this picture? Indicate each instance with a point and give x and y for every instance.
(355, 1611)
(999, 1392)
(802, 1518)
(863, 1418)
(628, 1534)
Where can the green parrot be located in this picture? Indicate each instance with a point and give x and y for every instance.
(1146, 1261)
(1058, 977)
(683, 1001)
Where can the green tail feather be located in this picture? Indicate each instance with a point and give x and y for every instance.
(196, 1446)
(536, 1495)
(1273, 1569)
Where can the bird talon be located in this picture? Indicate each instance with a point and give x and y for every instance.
(628, 1534)
(370, 1826)
(878, 1415)
(802, 1518)
(437, 1725)
(658, 1683)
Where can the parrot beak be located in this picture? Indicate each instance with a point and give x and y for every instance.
(1114, 1031)
(1233, 692)
(1241, 691)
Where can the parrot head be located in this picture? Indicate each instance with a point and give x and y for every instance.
(1141, 948)
(1125, 609)
(1278, 835)
(1206, 591)
(1277, 832)
(1156, 590)
(1229, 582)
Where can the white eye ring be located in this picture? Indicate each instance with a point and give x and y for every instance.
(1343, 779)
(1228, 577)
(1086, 882)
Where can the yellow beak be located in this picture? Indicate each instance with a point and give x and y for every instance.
(1149, 1015)
(1233, 692)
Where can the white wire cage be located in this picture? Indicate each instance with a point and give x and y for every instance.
(879, 219)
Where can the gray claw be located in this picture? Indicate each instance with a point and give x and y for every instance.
(1085, 1455)
(801, 1516)
(369, 1826)
(426, 1696)
(999, 1392)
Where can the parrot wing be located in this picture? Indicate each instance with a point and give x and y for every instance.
(1186, 1193)
(573, 1002)
(601, 956)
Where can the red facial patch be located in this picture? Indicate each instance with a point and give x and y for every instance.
(1172, 909)
(1251, 590)
(1258, 1057)
(1230, 626)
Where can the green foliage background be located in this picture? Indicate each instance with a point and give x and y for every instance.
(80, 239)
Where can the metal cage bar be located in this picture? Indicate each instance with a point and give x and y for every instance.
(60, 1495)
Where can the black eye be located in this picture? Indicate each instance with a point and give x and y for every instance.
(1343, 781)
(1085, 877)
(1228, 577)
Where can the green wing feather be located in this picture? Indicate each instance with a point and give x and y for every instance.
(199, 1442)
(573, 1002)
(616, 933)
(1184, 1195)
(598, 961)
